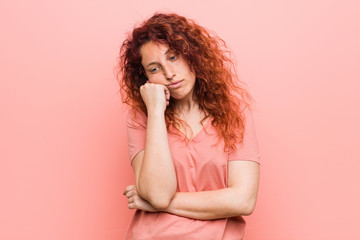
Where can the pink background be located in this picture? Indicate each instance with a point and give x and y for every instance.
(63, 146)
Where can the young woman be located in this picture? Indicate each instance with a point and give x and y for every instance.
(192, 143)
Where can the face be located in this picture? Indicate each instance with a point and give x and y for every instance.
(163, 66)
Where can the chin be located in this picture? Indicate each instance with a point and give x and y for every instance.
(179, 95)
(176, 97)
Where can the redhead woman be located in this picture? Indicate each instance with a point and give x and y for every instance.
(191, 138)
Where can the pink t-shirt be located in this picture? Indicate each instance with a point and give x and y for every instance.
(200, 165)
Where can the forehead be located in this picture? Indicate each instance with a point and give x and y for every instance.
(152, 51)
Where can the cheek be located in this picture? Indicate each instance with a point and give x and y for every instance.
(192, 77)
(155, 78)
(189, 71)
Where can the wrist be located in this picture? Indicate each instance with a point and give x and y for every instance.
(156, 113)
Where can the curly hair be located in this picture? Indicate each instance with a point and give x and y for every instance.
(217, 87)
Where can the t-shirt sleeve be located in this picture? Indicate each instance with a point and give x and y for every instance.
(248, 149)
(136, 132)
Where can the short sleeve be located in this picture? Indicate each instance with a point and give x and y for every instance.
(248, 149)
(136, 132)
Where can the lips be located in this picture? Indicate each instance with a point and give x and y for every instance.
(175, 84)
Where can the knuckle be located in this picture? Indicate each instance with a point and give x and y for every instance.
(129, 188)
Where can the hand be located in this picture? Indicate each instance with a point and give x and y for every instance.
(155, 96)
(135, 201)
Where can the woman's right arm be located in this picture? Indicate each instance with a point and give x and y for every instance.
(153, 168)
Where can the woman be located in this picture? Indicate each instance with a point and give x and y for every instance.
(191, 138)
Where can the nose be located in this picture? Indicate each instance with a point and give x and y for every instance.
(168, 72)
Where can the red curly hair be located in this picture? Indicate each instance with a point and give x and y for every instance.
(217, 89)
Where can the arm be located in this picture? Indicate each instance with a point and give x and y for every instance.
(153, 168)
(239, 198)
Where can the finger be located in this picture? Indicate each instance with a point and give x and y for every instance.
(128, 188)
(130, 200)
(131, 206)
(130, 193)
(167, 93)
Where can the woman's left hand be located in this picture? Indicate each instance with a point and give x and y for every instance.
(135, 201)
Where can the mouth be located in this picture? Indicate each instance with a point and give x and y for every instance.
(175, 84)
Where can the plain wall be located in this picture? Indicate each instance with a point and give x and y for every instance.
(63, 147)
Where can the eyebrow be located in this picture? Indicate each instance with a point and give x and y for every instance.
(167, 51)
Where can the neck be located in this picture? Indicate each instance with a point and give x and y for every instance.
(187, 104)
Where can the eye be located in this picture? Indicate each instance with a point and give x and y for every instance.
(153, 70)
(173, 58)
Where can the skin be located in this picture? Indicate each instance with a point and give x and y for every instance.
(164, 67)
(155, 188)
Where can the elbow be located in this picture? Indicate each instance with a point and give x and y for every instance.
(247, 211)
(245, 207)
(158, 193)
(159, 200)
(159, 203)
(248, 207)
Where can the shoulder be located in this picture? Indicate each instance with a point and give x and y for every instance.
(248, 149)
(247, 114)
(136, 118)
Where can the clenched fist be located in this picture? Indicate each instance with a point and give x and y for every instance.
(155, 96)
(135, 201)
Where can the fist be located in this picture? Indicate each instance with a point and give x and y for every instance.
(155, 96)
(135, 201)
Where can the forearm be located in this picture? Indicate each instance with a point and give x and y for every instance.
(222, 203)
(157, 178)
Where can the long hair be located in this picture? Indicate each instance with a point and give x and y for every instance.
(217, 87)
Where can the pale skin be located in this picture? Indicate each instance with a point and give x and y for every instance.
(155, 178)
